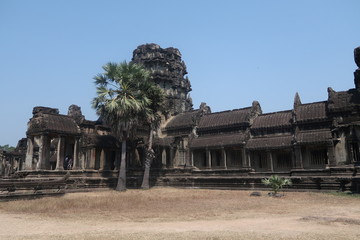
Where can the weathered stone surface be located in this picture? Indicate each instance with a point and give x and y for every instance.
(75, 112)
(168, 71)
(357, 56)
(45, 110)
(255, 194)
(213, 149)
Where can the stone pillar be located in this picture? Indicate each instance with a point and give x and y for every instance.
(208, 158)
(331, 154)
(92, 158)
(163, 157)
(192, 158)
(188, 155)
(244, 157)
(60, 154)
(29, 153)
(298, 162)
(44, 152)
(223, 158)
(82, 160)
(117, 160)
(102, 159)
(171, 159)
(76, 164)
(270, 164)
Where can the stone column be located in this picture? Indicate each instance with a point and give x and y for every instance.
(223, 158)
(44, 152)
(208, 158)
(188, 156)
(331, 154)
(29, 153)
(107, 155)
(192, 158)
(102, 159)
(270, 164)
(244, 158)
(171, 159)
(298, 163)
(60, 154)
(82, 160)
(163, 157)
(117, 160)
(92, 158)
(76, 164)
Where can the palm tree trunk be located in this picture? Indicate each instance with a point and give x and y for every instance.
(148, 160)
(121, 184)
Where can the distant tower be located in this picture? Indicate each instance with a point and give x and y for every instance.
(168, 71)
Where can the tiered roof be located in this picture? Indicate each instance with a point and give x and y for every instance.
(273, 120)
(311, 112)
(220, 140)
(226, 119)
(54, 123)
(105, 141)
(182, 121)
(269, 142)
(316, 136)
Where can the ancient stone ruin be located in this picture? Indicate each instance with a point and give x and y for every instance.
(316, 144)
(168, 71)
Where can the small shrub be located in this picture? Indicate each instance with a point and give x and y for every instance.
(276, 183)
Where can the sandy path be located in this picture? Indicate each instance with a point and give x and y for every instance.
(296, 227)
(160, 214)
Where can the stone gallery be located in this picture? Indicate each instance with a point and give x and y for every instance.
(316, 144)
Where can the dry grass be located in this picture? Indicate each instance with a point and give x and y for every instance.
(160, 203)
(137, 205)
(193, 209)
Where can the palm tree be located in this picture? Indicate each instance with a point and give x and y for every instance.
(120, 101)
(152, 117)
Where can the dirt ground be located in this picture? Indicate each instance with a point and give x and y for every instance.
(168, 213)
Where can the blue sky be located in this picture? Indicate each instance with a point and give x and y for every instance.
(235, 51)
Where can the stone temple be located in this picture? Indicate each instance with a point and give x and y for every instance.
(315, 144)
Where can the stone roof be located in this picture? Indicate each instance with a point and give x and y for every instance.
(182, 120)
(104, 141)
(269, 142)
(317, 136)
(44, 110)
(273, 120)
(219, 140)
(226, 119)
(311, 112)
(53, 123)
(166, 141)
(344, 100)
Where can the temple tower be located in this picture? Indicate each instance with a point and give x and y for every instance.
(168, 71)
(357, 71)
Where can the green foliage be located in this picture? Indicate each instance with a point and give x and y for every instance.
(276, 183)
(7, 148)
(126, 96)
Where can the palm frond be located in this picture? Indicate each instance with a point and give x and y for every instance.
(101, 80)
(126, 96)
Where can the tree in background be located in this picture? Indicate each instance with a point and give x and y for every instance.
(7, 148)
